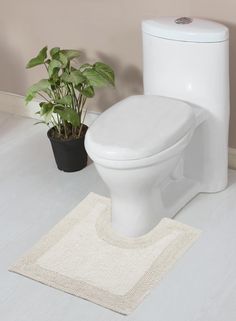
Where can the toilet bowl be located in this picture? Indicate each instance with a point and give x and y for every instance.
(157, 151)
(135, 145)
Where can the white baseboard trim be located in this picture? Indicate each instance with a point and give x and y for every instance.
(232, 158)
(15, 104)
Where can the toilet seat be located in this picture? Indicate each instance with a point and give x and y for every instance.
(163, 156)
(139, 127)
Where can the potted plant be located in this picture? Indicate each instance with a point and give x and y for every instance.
(64, 93)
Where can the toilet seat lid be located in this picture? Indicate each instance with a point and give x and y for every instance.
(138, 127)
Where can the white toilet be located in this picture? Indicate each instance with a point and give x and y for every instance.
(157, 151)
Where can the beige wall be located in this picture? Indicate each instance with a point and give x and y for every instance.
(107, 30)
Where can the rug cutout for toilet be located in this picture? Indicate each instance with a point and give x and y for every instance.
(82, 256)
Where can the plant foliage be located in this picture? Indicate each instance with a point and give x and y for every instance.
(66, 89)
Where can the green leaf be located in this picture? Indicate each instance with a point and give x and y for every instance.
(46, 111)
(29, 97)
(66, 100)
(85, 66)
(53, 66)
(62, 58)
(39, 59)
(71, 53)
(55, 79)
(106, 71)
(45, 108)
(54, 51)
(88, 91)
(42, 85)
(75, 77)
(70, 115)
(95, 78)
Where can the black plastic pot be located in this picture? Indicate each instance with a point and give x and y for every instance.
(70, 155)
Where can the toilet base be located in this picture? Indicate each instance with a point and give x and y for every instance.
(177, 193)
(171, 197)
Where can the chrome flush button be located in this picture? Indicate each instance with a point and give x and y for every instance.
(183, 20)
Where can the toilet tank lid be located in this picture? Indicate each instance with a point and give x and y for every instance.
(139, 126)
(186, 29)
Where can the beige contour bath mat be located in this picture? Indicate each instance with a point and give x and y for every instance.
(81, 255)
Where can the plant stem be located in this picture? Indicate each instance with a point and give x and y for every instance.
(83, 103)
(65, 129)
(59, 125)
(71, 94)
(81, 126)
(43, 97)
(46, 66)
(54, 122)
(74, 96)
(79, 102)
(53, 95)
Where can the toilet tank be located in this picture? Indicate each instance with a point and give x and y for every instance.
(188, 59)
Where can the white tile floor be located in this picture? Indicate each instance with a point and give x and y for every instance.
(34, 196)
